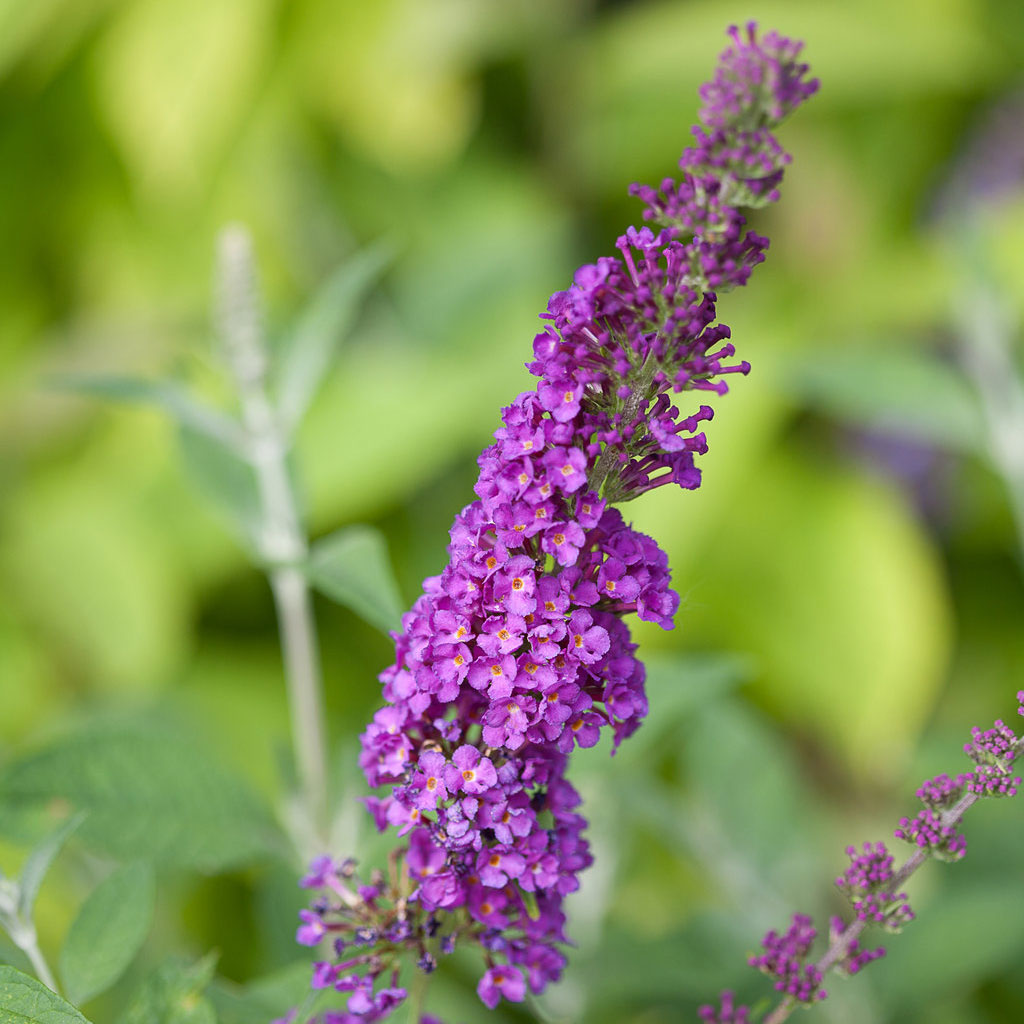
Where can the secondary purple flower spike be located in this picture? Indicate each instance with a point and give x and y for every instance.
(727, 1013)
(783, 959)
(518, 652)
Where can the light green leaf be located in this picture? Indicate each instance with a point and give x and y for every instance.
(894, 389)
(38, 863)
(223, 477)
(174, 994)
(149, 794)
(352, 566)
(305, 355)
(108, 931)
(23, 1000)
(266, 998)
(174, 400)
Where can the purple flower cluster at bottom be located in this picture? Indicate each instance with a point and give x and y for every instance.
(783, 959)
(870, 881)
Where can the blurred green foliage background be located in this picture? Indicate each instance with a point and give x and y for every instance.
(852, 589)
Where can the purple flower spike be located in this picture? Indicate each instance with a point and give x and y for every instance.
(519, 650)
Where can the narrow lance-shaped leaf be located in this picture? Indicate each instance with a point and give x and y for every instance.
(224, 477)
(38, 863)
(352, 566)
(896, 389)
(23, 1000)
(305, 354)
(108, 931)
(166, 395)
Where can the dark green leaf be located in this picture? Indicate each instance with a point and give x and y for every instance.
(305, 355)
(149, 794)
(109, 930)
(174, 994)
(23, 1000)
(352, 566)
(39, 861)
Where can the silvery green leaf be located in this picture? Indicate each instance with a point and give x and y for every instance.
(352, 566)
(39, 861)
(306, 353)
(166, 395)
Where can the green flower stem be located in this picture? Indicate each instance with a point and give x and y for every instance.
(279, 538)
(39, 965)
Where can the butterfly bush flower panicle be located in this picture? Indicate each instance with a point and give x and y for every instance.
(871, 882)
(518, 652)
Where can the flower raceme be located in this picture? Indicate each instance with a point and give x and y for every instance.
(870, 883)
(518, 652)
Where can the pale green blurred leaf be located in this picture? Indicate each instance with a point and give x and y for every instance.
(352, 566)
(306, 353)
(223, 478)
(970, 932)
(148, 793)
(264, 999)
(165, 395)
(38, 863)
(174, 994)
(172, 82)
(679, 686)
(825, 577)
(23, 1000)
(893, 389)
(109, 930)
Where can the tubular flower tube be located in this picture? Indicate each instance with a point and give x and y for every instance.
(518, 651)
(871, 883)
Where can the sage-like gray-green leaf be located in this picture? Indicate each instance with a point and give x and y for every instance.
(352, 566)
(108, 931)
(895, 389)
(224, 477)
(149, 794)
(174, 994)
(305, 354)
(38, 863)
(165, 395)
(23, 1000)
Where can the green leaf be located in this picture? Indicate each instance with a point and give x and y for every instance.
(266, 998)
(306, 354)
(109, 930)
(894, 389)
(225, 478)
(150, 794)
(38, 863)
(352, 566)
(23, 1000)
(174, 994)
(174, 400)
